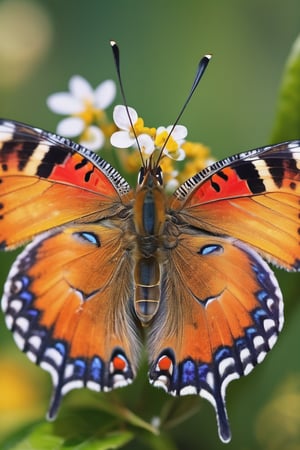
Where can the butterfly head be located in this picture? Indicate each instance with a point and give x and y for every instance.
(150, 175)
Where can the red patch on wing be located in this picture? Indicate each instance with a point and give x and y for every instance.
(85, 175)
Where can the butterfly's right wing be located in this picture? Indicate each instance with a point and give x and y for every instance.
(221, 311)
(253, 196)
(221, 307)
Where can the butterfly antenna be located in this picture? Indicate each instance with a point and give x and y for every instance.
(116, 53)
(200, 71)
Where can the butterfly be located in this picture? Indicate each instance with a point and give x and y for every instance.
(106, 261)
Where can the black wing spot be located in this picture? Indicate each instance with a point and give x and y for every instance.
(88, 175)
(250, 174)
(215, 186)
(55, 155)
(222, 175)
(81, 164)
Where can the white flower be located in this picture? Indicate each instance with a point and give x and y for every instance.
(124, 138)
(171, 185)
(142, 138)
(172, 148)
(146, 144)
(147, 139)
(85, 106)
(93, 138)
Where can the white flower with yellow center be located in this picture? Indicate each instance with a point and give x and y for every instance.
(85, 106)
(148, 139)
(126, 138)
(171, 139)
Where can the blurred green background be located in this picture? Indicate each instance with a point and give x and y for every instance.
(42, 44)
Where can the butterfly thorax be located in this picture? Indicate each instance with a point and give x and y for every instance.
(149, 220)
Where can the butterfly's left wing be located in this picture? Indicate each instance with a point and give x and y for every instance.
(47, 180)
(67, 296)
(67, 302)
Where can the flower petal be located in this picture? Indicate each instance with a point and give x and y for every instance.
(146, 144)
(105, 94)
(179, 155)
(121, 119)
(80, 88)
(70, 127)
(93, 138)
(64, 103)
(121, 139)
(171, 185)
(179, 132)
(161, 130)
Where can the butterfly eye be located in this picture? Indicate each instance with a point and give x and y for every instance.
(159, 175)
(141, 175)
(156, 173)
(88, 237)
(211, 249)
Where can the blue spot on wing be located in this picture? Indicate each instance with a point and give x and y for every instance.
(209, 249)
(222, 353)
(86, 236)
(262, 296)
(202, 372)
(251, 332)
(96, 369)
(25, 281)
(61, 348)
(26, 296)
(259, 314)
(188, 372)
(79, 368)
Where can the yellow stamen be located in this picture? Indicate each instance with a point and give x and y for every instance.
(160, 140)
(195, 149)
(198, 155)
(108, 129)
(91, 114)
(130, 162)
(140, 128)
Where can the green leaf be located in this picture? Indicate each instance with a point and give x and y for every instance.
(111, 405)
(86, 429)
(178, 410)
(287, 120)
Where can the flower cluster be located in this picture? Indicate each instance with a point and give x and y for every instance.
(86, 110)
(87, 122)
(148, 140)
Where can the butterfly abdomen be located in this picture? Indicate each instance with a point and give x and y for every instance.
(147, 289)
(149, 220)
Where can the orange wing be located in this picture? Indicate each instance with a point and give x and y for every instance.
(221, 311)
(47, 181)
(254, 197)
(67, 302)
(221, 304)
